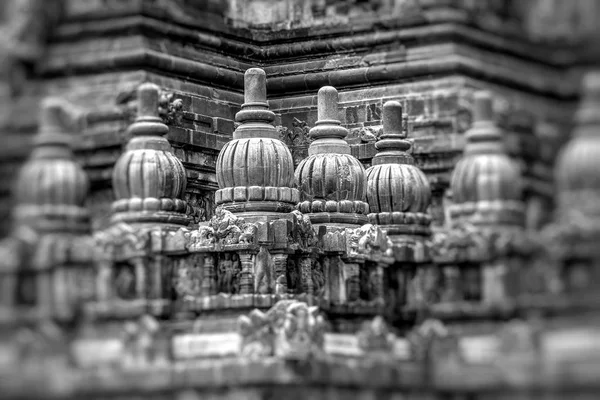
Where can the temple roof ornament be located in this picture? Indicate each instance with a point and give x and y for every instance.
(331, 180)
(577, 178)
(148, 180)
(255, 170)
(576, 229)
(398, 192)
(51, 187)
(486, 183)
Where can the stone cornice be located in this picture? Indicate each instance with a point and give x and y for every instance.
(298, 43)
(444, 60)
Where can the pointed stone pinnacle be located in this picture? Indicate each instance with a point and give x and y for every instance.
(483, 108)
(255, 86)
(327, 103)
(148, 100)
(392, 119)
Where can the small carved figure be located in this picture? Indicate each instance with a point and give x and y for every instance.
(281, 285)
(375, 336)
(305, 235)
(125, 283)
(257, 335)
(264, 267)
(248, 233)
(184, 282)
(302, 334)
(139, 341)
(237, 270)
(318, 279)
(225, 274)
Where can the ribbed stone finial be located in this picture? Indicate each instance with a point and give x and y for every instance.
(331, 180)
(51, 187)
(255, 170)
(327, 103)
(149, 181)
(577, 178)
(395, 186)
(255, 86)
(486, 183)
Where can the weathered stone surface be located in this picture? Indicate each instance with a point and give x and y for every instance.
(149, 307)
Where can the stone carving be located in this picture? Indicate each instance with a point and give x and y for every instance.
(297, 139)
(318, 279)
(375, 336)
(366, 134)
(200, 205)
(422, 337)
(125, 282)
(122, 238)
(170, 108)
(290, 329)
(304, 233)
(256, 332)
(186, 281)
(139, 342)
(264, 270)
(224, 228)
(424, 287)
(297, 136)
(369, 240)
(302, 333)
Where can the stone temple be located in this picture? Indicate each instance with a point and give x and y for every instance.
(300, 199)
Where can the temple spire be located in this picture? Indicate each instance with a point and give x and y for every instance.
(486, 183)
(51, 187)
(331, 180)
(148, 180)
(255, 169)
(398, 192)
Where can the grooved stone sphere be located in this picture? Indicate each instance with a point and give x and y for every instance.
(577, 166)
(331, 177)
(52, 182)
(255, 162)
(486, 177)
(147, 173)
(397, 188)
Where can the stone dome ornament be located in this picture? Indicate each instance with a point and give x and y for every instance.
(577, 171)
(331, 180)
(486, 183)
(51, 188)
(255, 170)
(148, 179)
(398, 192)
